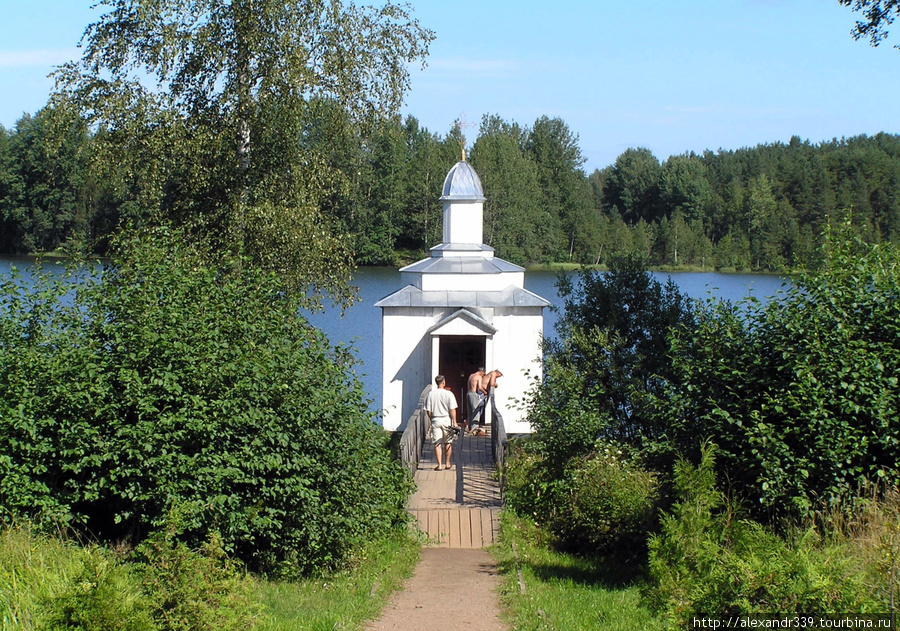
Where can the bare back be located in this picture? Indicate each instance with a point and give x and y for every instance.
(474, 382)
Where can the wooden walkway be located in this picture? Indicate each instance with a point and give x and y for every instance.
(460, 507)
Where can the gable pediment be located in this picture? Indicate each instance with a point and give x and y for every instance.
(463, 322)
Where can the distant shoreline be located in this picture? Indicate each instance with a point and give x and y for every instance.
(532, 267)
(697, 269)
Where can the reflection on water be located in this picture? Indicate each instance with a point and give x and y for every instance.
(361, 323)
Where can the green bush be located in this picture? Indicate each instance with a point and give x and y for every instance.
(603, 502)
(610, 503)
(530, 489)
(708, 561)
(164, 381)
(602, 377)
(801, 393)
(610, 359)
(193, 590)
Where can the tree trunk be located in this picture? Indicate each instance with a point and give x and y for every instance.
(242, 56)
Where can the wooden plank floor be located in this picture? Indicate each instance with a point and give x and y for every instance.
(460, 507)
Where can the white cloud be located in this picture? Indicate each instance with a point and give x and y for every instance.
(30, 58)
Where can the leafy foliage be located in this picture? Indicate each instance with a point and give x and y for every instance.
(372, 187)
(48, 196)
(103, 596)
(878, 16)
(164, 381)
(801, 394)
(611, 503)
(531, 489)
(205, 109)
(515, 220)
(48, 582)
(554, 150)
(548, 589)
(594, 415)
(708, 561)
(609, 362)
(191, 590)
(601, 503)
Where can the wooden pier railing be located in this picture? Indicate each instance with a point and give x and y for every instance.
(413, 438)
(498, 441)
(412, 441)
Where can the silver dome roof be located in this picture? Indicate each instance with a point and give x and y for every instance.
(462, 183)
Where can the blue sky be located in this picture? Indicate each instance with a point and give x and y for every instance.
(669, 75)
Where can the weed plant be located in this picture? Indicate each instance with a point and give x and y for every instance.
(868, 528)
(54, 583)
(710, 560)
(49, 583)
(193, 590)
(602, 501)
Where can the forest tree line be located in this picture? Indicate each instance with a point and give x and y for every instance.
(759, 208)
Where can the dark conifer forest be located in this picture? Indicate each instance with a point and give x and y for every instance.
(754, 208)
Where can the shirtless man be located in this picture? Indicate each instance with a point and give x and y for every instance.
(474, 399)
(488, 381)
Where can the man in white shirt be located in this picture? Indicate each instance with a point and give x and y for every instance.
(441, 408)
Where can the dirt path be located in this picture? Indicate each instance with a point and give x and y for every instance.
(451, 590)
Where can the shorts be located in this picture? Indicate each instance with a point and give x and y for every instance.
(438, 435)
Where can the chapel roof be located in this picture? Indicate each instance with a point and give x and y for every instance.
(512, 296)
(462, 265)
(462, 183)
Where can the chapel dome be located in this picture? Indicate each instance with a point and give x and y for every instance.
(462, 183)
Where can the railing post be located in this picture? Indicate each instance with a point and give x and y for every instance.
(412, 441)
(498, 440)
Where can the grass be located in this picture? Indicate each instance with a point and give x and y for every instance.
(36, 570)
(563, 592)
(33, 571)
(344, 601)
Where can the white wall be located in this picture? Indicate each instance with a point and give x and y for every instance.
(517, 355)
(405, 366)
(408, 357)
(463, 222)
(463, 282)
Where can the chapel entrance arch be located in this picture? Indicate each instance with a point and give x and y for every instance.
(458, 357)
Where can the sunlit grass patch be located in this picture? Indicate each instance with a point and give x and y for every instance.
(564, 592)
(344, 601)
(49, 582)
(43, 581)
(33, 570)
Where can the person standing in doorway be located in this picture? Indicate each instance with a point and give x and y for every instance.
(488, 383)
(475, 397)
(441, 407)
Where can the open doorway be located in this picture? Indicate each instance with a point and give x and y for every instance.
(460, 356)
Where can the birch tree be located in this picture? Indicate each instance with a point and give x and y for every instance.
(206, 104)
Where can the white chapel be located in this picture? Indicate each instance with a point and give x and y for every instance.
(458, 310)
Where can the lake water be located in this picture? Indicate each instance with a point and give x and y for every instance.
(361, 324)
